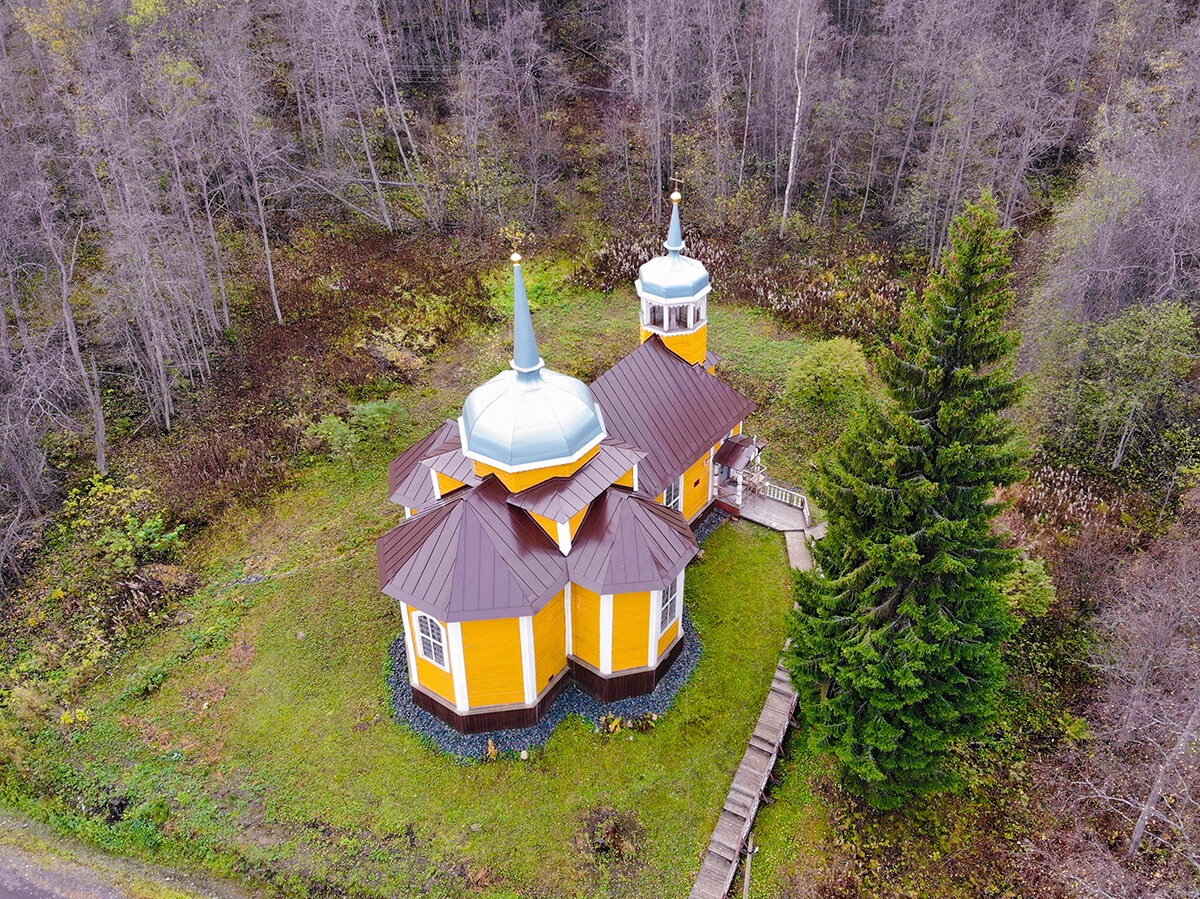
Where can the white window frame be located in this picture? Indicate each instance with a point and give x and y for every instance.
(678, 485)
(442, 640)
(669, 600)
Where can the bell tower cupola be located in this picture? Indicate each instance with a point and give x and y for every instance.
(674, 293)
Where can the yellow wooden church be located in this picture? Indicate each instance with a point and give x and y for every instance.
(547, 530)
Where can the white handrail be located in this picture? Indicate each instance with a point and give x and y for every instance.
(793, 498)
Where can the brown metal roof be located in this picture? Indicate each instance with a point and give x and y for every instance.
(409, 483)
(471, 557)
(560, 498)
(738, 451)
(454, 464)
(628, 542)
(676, 411)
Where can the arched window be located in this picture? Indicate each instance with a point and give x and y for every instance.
(431, 640)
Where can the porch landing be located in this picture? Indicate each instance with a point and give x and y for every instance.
(772, 513)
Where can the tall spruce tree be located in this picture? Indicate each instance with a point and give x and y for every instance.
(896, 640)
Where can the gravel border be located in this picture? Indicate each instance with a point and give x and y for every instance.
(571, 701)
(704, 528)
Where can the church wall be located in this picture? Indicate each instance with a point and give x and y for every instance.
(585, 624)
(695, 487)
(577, 520)
(492, 652)
(693, 347)
(625, 480)
(549, 525)
(631, 629)
(550, 641)
(523, 480)
(447, 484)
(668, 635)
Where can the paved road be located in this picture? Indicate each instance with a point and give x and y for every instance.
(38, 864)
(23, 876)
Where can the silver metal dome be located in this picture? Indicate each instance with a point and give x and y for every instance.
(530, 416)
(673, 276)
(517, 423)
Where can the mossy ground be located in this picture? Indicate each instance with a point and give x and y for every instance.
(257, 735)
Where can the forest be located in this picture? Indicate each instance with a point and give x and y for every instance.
(243, 241)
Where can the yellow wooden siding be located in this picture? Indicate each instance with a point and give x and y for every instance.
(585, 624)
(631, 629)
(447, 484)
(523, 480)
(692, 347)
(695, 487)
(625, 480)
(666, 639)
(577, 520)
(737, 429)
(432, 678)
(492, 652)
(549, 525)
(550, 641)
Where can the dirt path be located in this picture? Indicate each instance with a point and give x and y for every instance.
(37, 864)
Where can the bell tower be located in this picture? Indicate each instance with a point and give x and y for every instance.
(674, 293)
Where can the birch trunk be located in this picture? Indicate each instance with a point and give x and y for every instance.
(801, 83)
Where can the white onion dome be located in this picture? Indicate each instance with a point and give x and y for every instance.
(529, 416)
(673, 276)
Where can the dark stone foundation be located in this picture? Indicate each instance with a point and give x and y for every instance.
(604, 688)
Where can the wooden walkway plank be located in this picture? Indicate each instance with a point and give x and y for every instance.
(746, 791)
(720, 861)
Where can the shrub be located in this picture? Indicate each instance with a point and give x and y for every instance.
(371, 422)
(213, 469)
(830, 375)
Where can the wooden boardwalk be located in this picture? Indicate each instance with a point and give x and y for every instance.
(749, 783)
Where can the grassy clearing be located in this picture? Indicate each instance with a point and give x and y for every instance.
(257, 735)
(289, 725)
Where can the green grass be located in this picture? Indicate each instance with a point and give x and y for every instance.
(792, 832)
(301, 733)
(264, 722)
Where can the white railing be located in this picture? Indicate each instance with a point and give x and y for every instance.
(784, 495)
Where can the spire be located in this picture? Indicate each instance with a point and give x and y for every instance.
(525, 350)
(674, 241)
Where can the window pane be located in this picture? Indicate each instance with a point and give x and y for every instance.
(438, 654)
(656, 316)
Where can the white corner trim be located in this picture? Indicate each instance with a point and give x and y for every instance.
(655, 614)
(407, 512)
(679, 599)
(567, 618)
(606, 633)
(564, 537)
(458, 668)
(528, 658)
(635, 477)
(437, 488)
(410, 650)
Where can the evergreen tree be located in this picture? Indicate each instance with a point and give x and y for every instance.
(896, 641)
